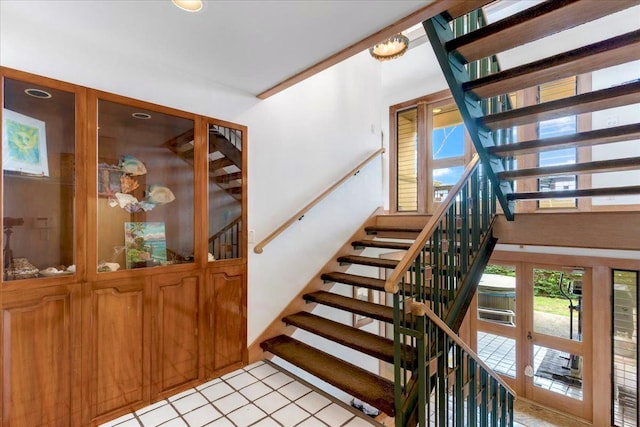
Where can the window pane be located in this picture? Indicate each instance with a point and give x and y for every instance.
(444, 179)
(448, 133)
(39, 137)
(145, 188)
(497, 295)
(557, 304)
(557, 371)
(225, 192)
(499, 353)
(552, 128)
(407, 175)
(625, 348)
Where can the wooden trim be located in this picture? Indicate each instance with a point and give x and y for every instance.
(421, 309)
(315, 284)
(298, 215)
(393, 161)
(391, 284)
(427, 99)
(432, 9)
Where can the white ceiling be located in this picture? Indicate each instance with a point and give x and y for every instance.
(247, 45)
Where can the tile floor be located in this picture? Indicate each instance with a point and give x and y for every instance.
(262, 395)
(258, 395)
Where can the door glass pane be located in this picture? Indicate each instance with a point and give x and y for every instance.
(444, 179)
(557, 303)
(557, 371)
(497, 295)
(225, 192)
(38, 162)
(145, 188)
(498, 352)
(448, 133)
(625, 348)
(407, 167)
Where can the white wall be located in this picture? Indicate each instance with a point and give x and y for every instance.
(300, 141)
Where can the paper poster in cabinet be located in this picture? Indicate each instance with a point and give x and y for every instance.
(24, 144)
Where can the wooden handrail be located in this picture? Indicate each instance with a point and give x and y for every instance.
(421, 309)
(391, 284)
(298, 215)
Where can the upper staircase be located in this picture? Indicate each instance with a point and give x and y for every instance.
(474, 86)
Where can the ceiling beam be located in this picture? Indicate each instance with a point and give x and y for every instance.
(432, 9)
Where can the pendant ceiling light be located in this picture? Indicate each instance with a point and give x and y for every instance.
(189, 5)
(391, 48)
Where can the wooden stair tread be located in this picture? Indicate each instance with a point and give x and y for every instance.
(352, 305)
(600, 166)
(355, 280)
(584, 103)
(381, 244)
(583, 139)
(219, 163)
(591, 192)
(362, 384)
(531, 24)
(463, 7)
(374, 229)
(373, 262)
(365, 342)
(224, 179)
(607, 53)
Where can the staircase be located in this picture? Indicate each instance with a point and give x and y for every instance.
(461, 56)
(437, 378)
(225, 172)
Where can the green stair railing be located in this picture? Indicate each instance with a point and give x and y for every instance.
(441, 270)
(440, 29)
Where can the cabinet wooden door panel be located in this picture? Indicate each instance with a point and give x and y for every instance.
(39, 382)
(119, 355)
(227, 311)
(175, 357)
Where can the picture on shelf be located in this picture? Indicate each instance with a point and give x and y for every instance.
(24, 144)
(145, 244)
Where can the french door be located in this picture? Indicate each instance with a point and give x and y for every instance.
(534, 330)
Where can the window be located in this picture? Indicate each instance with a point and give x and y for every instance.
(552, 128)
(625, 349)
(431, 151)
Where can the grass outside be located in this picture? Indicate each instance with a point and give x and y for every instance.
(552, 305)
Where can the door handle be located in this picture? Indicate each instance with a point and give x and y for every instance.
(529, 337)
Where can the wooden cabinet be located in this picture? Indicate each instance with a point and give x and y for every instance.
(117, 344)
(40, 356)
(225, 304)
(175, 358)
(110, 295)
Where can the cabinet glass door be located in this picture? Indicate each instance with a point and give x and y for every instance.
(38, 162)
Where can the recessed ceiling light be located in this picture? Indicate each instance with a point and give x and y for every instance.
(141, 116)
(189, 5)
(37, 93)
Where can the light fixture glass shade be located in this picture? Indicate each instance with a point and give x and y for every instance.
(391, 48)
(189, 5)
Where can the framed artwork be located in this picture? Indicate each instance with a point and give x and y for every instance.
(108, 180)
(24, 146)
(145, 244)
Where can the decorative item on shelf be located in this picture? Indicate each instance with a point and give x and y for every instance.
(108, 179)
(61, 270)
(132, 166)
(127, 184)
(391, 48)
(145, 244)
(21, 268)
(8, 223)
(24, 144)
(108, 266)
(159, 194)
